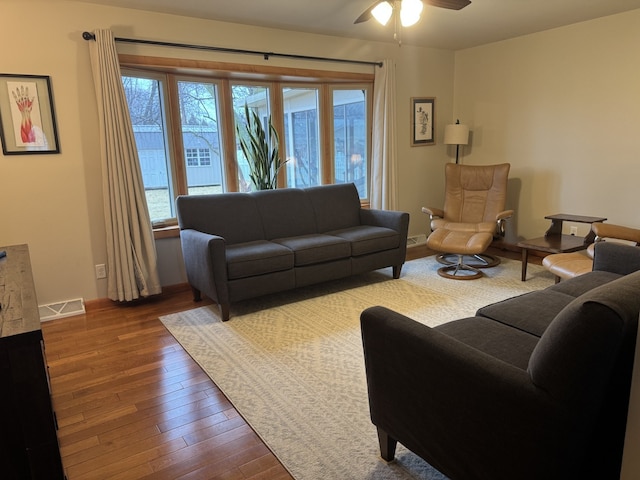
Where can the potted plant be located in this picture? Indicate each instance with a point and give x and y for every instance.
(262, 151)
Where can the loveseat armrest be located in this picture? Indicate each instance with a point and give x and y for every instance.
(445, 400)
(616, 257)
(205, 264)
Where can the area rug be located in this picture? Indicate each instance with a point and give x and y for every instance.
(292, 363)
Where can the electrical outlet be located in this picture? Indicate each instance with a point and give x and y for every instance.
(574, 230)
(101, 271)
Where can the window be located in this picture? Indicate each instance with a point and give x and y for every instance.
(197, 157)
(145, 96)
(256, 97)
(301, 136)
(350, 138)
(185, 129)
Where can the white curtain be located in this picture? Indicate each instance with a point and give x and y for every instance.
(131, 251)
(384, 193)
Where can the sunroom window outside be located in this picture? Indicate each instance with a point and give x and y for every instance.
(146, 107)
(201, 137)
(301, 134)
(256, 97)
(350, 139)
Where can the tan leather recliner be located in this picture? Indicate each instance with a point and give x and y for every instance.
(473, 214)
(569, 265)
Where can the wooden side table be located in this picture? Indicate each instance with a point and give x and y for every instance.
(554, 241)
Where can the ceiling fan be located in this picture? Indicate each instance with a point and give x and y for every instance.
(409, 9)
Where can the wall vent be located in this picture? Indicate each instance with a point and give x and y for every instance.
(414, 240)
(66, 308)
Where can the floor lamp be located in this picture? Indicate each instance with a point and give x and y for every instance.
(457, 135)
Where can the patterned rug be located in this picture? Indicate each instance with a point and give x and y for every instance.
(292, 363)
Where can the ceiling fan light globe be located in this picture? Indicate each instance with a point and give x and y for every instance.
(410, 11)
(382, 12)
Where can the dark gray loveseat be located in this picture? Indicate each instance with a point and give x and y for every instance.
(242, 245)
(533, 387)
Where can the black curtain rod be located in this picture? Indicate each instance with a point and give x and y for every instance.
(265, 55)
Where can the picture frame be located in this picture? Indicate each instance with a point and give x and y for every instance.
(423, 121)
(27, 117)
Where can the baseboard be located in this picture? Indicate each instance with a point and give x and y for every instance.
(102, 303)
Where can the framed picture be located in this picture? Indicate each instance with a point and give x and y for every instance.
(27, 119)
(423, 121)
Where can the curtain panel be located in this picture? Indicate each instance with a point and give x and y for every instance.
(384, 193)
(131, 252)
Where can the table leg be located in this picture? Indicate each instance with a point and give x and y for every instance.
(525, 260)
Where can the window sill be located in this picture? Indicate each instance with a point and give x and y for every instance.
(166, 232)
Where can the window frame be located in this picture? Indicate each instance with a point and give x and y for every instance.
(171, 70)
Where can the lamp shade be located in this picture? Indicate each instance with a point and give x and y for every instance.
(410, 11)
(382, 12)
(456, 134)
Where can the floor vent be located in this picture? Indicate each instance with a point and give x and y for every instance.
(416, 240)
(66, 308)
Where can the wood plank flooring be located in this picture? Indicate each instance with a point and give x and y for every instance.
(132, 404)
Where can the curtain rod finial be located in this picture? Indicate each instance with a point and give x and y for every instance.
(88, 36)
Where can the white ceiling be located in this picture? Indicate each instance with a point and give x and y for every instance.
(484, 21)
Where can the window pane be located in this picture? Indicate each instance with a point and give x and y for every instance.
(301, 137)
(144, 96)
(350, 138)
(201, 137)
(257, 99)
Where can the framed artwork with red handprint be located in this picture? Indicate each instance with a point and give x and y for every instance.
(27, 118)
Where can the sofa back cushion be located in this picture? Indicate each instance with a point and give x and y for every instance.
(285, 212)
(574, 358)
(336, 206)
(233, 216)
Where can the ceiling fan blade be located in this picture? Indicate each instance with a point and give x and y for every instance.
(366, 15)
(450, 4)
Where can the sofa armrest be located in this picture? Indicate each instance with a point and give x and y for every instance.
(443, 399)
(398, 221)
(616, 257)
(205, 263)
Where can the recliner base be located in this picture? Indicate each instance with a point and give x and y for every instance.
(459, 268)
(484, 260)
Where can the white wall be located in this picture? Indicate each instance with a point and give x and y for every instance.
(562, 107)
(54, 202)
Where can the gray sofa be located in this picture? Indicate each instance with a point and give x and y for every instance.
(536, 386)
(242, 245)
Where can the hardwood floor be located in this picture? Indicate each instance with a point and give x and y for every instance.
(132, 404)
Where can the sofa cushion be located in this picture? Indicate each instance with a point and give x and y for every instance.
(285, 212)
(531, 312)
(335, 206)
(366, 239)
(257, 258)
(578, 285)
(317, 248)
(233, 216)
(493, 338)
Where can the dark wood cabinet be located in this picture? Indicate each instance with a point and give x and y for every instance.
(28, 439)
